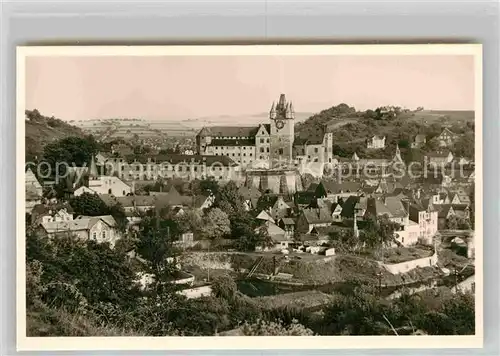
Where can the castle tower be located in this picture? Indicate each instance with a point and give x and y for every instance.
(282, 133)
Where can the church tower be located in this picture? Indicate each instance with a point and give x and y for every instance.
(282, 118)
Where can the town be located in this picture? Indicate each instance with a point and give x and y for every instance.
(249, 225)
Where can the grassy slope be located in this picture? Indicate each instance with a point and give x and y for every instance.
(45, 130)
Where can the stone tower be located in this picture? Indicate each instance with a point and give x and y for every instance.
(282, 116)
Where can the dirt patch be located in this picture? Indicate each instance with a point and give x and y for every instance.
(304, 299)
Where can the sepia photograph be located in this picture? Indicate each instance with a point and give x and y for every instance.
(232, 191)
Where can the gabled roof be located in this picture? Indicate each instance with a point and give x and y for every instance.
(333, 187)
(229, 131)
(81, 223)
(317, 216)
(263, 215)
(32, 194)
(249, 193)
(444, 209)
(231, 142)
(288, 221)
(181, 159)
(108, 219)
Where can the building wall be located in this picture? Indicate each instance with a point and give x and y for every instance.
(109, 185)
(242, 155)
(407, 266)
(376, 143)
(102, 232)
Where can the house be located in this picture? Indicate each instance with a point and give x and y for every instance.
(446, 138)
(375, 142)
(445, 211)
(250, 196)
(419, 141)
(332, 190)
(44, 213)
(336, 210)
(354, 205)
(461, 211)
(288, 225)
(392, 207)
(201, 202)
(105, 185)
(280, 209)
(423, 213)
(315, 217)
(186, 240)
(97, 228)
(439, 158)
(264, 215)
(280, 239)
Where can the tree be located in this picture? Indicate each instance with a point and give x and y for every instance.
(228, 198)
(464, 146)
(189, 221)
(70, 266)
(89, 204)
(216, 224)
(71, 150)
(271, 328)
(224, 287)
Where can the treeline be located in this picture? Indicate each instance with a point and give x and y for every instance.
(77, 288)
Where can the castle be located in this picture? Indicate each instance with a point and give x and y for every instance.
(271, 145)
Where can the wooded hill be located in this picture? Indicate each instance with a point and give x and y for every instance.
(352, 128)
(41, 130)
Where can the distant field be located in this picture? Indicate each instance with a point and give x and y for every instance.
(440, 116)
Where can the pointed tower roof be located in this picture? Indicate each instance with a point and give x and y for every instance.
(291, 108)
(397, 155)
(93, 168)
(282, 101)
(273, 108)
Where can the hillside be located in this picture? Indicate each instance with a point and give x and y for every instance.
(40, 130)
(351, 128)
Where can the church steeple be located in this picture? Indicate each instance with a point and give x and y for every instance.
(397, 156)
(355, 226)
(93, 169)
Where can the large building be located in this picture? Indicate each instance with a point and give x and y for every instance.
(270, 145)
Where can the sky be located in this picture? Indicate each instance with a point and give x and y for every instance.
(183, 87)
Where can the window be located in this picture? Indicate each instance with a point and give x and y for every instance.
(109, 191)
(244, 148)
(268, 149)
(261, 140)
(280, 151)
(124, 193)
(94, 235)
(315, 149)
(250, 154)
(262, 149)
(103, 234)
(233, 154)
(267, 140)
